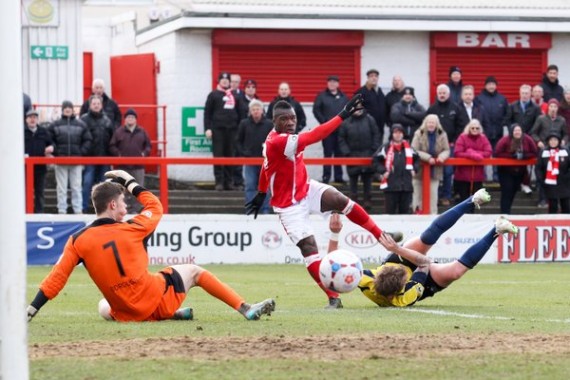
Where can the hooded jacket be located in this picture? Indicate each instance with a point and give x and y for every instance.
(474, 147)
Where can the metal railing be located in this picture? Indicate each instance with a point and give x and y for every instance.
(163, 162)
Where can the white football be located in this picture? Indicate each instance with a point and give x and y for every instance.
(340, 271)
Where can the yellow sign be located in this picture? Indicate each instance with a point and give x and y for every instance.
(40, 12)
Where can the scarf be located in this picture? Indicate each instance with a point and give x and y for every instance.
(552, 168)
(390, 161)
(229, 100)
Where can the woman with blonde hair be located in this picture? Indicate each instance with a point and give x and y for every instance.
(432, 145)
(472, 144)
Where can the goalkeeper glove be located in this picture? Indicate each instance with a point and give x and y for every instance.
(122, 178)
(255, 204)
(32, 311)
(353, 105)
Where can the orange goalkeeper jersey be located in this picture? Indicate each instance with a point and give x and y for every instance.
(115, 256)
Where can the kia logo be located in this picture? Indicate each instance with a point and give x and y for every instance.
(360, 239)
(271, 240)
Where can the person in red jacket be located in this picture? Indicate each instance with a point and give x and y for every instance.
(517, 145)
(294, 196)
(472, 144)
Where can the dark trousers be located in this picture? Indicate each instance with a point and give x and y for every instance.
(510, 184)
(331, 149)
(366, 185)
(223, 145)
(465, 188)
(39, 188)
(447, 183)
(398, 202)
(564, 205)
(92, 175)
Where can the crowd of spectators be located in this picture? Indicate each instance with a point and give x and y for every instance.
(460, 123)
(96, 131)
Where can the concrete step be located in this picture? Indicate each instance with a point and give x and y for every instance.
(200, 201)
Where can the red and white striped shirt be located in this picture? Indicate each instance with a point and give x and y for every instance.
(284, 170)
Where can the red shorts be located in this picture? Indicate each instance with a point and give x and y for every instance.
(174, 295)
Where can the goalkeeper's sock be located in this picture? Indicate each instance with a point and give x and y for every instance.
(313, 261)
(357, 215)
(475, 253)
(211, 284)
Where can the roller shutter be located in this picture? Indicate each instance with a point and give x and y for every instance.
(304, 59)
(512, 66)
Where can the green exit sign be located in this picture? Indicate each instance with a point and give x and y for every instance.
(49, 52)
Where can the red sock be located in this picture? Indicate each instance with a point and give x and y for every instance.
(313, 262)
(357, 215)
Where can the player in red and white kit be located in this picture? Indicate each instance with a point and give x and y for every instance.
(294, 196)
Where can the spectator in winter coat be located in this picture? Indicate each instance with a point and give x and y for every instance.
(284, 93)
(27, 104)
(252, 132)
(467, 104)
(394, 97)
(250, 91)
(110, 107)
(564, 109)
(408, 113)
(551, 122)
(524, 111)
(101, 129)
(495, 105)
(431, 143)
(222, 114)
(453, 120)
(553, 171)
(328, 104)
(552, 89)
(472, 144)
(359, 137)
(517, 145)
(455, 84)
(72, 139)
(374, 100)
(131, 141)
(538, 98)
(38, 143)
(397, 163)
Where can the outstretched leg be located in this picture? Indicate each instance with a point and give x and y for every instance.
(445, 274)
(446, 220)
(193, 275)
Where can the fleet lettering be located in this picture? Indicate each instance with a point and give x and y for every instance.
(536, 243)
(495, 40)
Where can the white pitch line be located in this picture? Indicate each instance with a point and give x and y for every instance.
(454, 314)
(479, 316)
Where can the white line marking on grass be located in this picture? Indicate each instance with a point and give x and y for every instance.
(454, 314)
(480, 316)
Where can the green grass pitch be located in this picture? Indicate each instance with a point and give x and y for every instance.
(498, 322)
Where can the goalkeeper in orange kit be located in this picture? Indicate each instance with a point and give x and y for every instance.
(114, 254)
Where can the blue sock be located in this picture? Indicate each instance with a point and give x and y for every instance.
(445, 221)
(475, 253)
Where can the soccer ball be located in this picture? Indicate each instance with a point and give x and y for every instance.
(340, 271)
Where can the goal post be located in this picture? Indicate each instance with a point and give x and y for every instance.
(13, 324)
